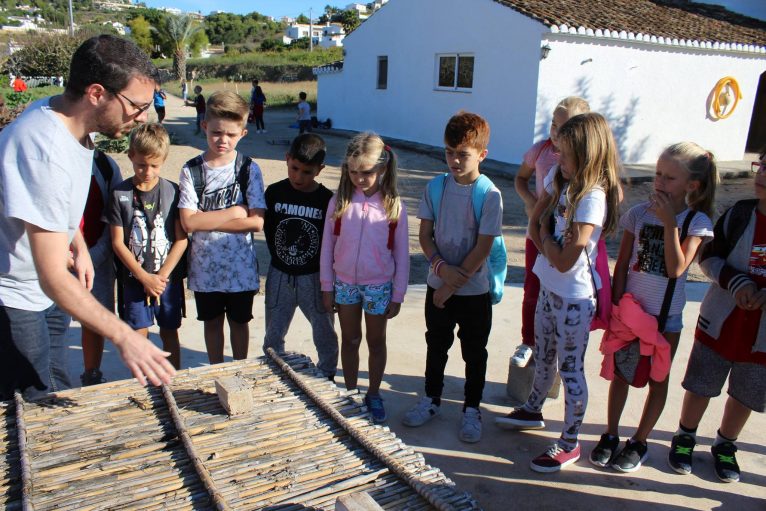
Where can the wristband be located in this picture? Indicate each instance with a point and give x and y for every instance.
(438, 266)
(433, 258)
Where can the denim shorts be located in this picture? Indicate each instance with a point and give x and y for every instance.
(373, 297)
(674, 323)
(140, 314)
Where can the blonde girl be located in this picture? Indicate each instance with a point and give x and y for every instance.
(651, 252)
(364, 266)
(538, 161)
(581, 197)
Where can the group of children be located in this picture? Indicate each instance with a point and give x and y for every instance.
(348, 253)
(575, 206)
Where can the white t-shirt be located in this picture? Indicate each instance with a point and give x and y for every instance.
(44, 181)
(304, 111)
(647, 276)
(577, 282)
(221, 261)
(456, 230)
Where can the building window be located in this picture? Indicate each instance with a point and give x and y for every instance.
(454, 72)
(382, 72)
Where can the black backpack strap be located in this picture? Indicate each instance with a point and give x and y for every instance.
(663, 317)
(197, 174)
(242, 173)
(104, 167)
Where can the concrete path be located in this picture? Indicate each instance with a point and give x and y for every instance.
(496, 470)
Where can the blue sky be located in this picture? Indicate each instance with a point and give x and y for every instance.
(276, 8)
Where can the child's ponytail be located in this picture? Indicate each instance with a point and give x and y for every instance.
(701, 165)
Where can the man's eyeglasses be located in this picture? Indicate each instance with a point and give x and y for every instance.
(757, 166)
(139, 108)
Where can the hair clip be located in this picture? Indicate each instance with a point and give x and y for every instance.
(387, 148)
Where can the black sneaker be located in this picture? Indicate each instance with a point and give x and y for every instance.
(521, 419)
(632, 456)
(726, 467)
(605, 451)
(92, 377)
(680, 455)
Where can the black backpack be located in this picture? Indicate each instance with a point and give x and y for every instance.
(241, 174)
(103, 166)
(738, 219)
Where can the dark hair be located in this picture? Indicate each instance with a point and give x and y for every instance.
(308, 148)
(302, 95)
(110, 61)
(467, 128)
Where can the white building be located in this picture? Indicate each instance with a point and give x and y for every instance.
(360, 8)
(332, 36)
(326, 36)
(650, 68)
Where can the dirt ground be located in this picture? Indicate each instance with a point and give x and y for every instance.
(417, 164)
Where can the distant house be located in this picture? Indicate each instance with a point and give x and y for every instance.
(326, 36)
(650, 66)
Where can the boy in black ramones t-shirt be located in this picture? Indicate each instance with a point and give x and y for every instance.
(295, 213)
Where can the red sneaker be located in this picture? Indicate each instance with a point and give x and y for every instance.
(555, 459)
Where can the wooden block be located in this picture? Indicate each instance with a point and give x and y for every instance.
(520, 381)
(356, 502)
(234, 394)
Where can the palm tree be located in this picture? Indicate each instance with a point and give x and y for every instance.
(179, 30)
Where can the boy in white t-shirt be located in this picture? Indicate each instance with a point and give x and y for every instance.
(304, 114)
(222, 203)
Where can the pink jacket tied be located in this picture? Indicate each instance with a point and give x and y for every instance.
(628, 322)
(360, 254)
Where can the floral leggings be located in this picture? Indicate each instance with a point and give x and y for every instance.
(562, 327)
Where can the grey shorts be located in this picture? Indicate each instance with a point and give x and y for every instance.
(707, 371)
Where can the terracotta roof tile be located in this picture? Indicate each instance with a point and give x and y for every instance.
(667, 18)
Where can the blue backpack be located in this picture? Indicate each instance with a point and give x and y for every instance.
(497, 262)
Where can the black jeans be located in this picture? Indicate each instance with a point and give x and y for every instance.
(473, 317)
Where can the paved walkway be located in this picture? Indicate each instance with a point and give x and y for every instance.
(496, 470)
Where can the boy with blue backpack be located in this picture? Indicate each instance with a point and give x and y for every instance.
(461, 236)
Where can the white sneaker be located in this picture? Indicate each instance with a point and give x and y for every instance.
(257, 131)
(263, 131)
(470, 426)
(522, 355)
(421, 413)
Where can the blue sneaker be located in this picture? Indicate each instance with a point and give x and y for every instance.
(375, 405)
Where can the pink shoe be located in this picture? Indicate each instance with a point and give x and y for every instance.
(555, 459)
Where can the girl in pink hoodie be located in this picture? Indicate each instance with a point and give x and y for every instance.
(364, 265)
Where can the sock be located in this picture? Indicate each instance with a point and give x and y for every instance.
(683, 430)
(436, 401)
(719, 438)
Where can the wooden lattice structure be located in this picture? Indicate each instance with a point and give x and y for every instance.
(122, 446)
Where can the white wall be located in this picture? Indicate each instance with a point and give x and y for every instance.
(506, 49)
(653, 95)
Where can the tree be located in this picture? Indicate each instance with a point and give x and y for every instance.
(179, 32)
(272, 45)
(141, 32)
(350, 20)
(44, 54)
(302, 19)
